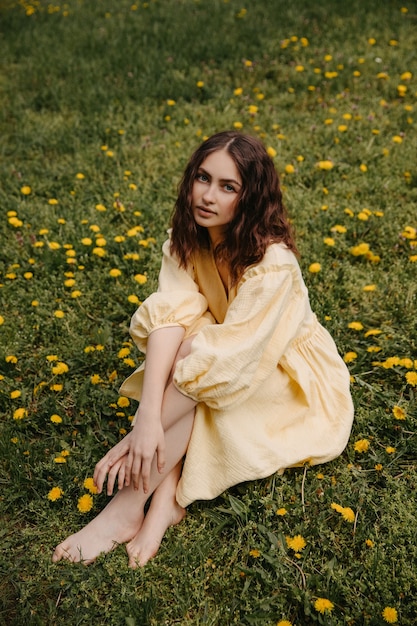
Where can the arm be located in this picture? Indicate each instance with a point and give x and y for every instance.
(147, 436)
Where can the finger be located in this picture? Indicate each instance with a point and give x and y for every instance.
(137, 468)
(100, 474)
(112, 477)
(122, 472)
(146, 472)
(160, 457)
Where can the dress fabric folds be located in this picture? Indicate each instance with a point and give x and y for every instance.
(272, 391)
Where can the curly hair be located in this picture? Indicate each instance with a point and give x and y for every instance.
(260, 217)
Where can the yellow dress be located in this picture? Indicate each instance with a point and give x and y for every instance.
(272, 391)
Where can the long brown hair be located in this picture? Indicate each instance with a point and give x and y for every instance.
(260, 216)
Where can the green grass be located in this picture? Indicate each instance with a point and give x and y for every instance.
(85, 89)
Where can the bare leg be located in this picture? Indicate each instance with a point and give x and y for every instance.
(164, 511)
(122, 518)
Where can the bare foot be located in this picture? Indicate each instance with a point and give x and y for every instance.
(161, 515)
(117, 523)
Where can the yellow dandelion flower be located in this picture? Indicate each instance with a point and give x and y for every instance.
(20, 413)
(281, 512)
(350, 356)
(296, 543)
(60, 459)
(338, 228)
(355, 325)
(272, 152)
(397, 139)
(171, 103)
(59, 314)
(55, 493)
(60, 368)
(90, 485)
(238, 91)
(284, 622)
(96, 379)
(15, 394)
(289, 169)
(369, 288)
(362, 445)
(253, 109)
(255, 553)
(26, 190)
(114, 273)
(323, 605)
(325, 165)
(399, 413)
(390, 615)
(56, 419)
(342, 128)
(411, 378)
(80, 176)
(140, 278)
(360, 250)
(123, 401)
(11, 358)
(85, 503)
(238, 125)
(329, 241)
(314, 268)
(390, 450)
(369, 543)
(123, 352)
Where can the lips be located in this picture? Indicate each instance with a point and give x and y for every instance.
(204, 210)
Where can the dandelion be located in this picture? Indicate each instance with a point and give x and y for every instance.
(369, 543)
(390, 615)
(355, 325)
(323, 605)
(55, 493)
(369, 288)
(60, 459)
(314, 268)
(79, 176)
(114, 273)
(85, 503)
(345, 511)
(360, 250)
(96, 379)
(140, 278)
(325, 165)
(26, 190)
(19, 414)
(272, 152)
(362, 445)
(253, 109)
(59, 314)
(397, 139)
(350, 356)
(284, 622)
(296, 543)
(15, 394)
(281, 512)
(289, 169)
(411, 378)
(11, 358)
(171, 103)
(255, 553)
(363, 167)
(123, 402)
(89, 484)
(390, 450)
(338, 228)
(56, 419)
(60, 368)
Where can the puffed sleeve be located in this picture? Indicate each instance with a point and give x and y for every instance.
(229, 361)
(177, 302)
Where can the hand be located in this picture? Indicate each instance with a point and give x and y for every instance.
(147, 439)
(113, 464)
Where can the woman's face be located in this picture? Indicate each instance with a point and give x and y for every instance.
(215, 192)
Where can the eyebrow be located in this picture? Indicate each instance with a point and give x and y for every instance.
(223, 180)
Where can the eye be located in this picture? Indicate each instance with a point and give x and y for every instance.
(203, 178)
(228, 187)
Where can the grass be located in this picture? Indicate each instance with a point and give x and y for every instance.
(101, 105)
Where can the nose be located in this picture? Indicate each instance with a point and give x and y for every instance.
(209, 194)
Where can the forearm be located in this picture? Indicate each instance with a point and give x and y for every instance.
(162, 348)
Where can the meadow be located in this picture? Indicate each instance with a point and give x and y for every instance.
(101, 104)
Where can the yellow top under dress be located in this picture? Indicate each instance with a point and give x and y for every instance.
(271, 388)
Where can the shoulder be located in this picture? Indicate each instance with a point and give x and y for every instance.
(278, 266)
